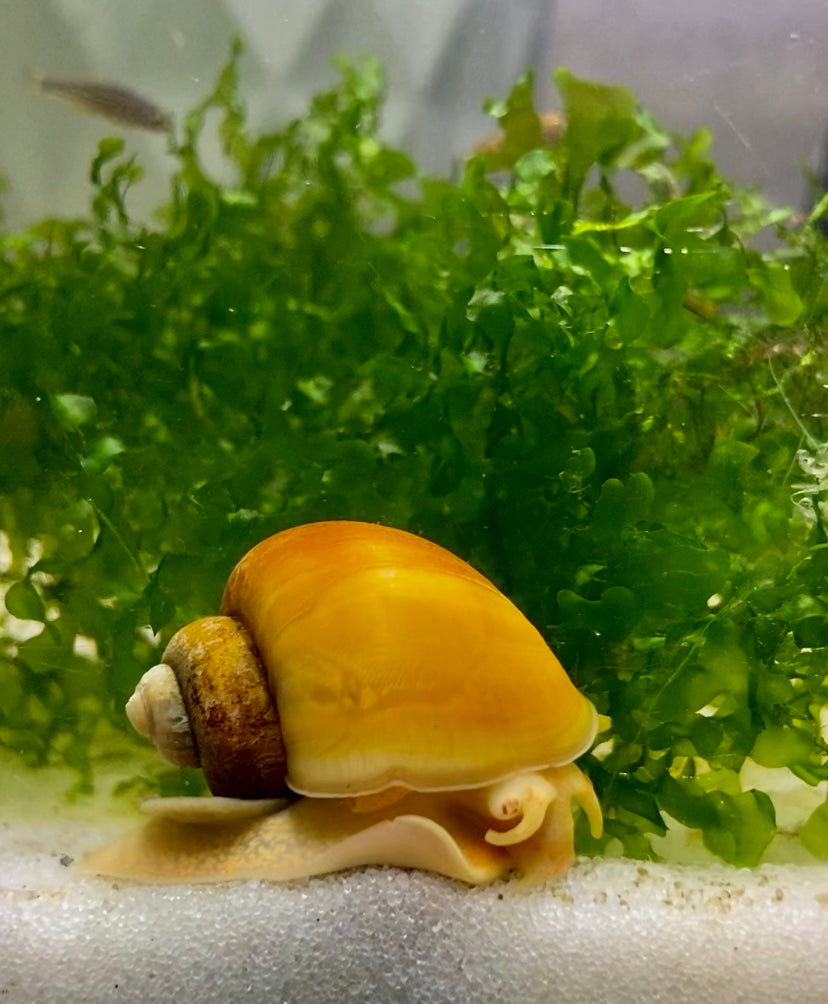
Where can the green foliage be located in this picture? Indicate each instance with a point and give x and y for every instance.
(584, 379)
(814, 833)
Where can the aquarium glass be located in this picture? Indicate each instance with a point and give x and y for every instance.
(543, 284)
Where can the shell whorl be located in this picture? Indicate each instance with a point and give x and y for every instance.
(211, 687)
(156, 710)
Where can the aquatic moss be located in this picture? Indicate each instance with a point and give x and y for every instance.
(576, 371)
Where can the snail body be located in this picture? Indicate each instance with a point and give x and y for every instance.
(421, 717)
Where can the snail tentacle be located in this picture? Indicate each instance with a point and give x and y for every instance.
(527, 796)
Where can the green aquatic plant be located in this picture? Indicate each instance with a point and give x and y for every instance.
(578, 371)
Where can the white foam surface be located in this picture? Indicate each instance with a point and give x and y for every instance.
(613, 930)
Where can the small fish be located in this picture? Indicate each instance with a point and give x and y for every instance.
(119, 104)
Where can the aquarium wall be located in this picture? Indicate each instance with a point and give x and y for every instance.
(541, 282)
(751, 71)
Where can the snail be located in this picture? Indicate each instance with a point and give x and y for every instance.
(364, 697)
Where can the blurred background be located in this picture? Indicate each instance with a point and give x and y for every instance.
(753, 71)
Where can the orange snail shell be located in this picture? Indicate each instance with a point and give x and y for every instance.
(407, 687)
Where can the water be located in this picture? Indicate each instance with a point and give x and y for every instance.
(752, 73)
(171, 395)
